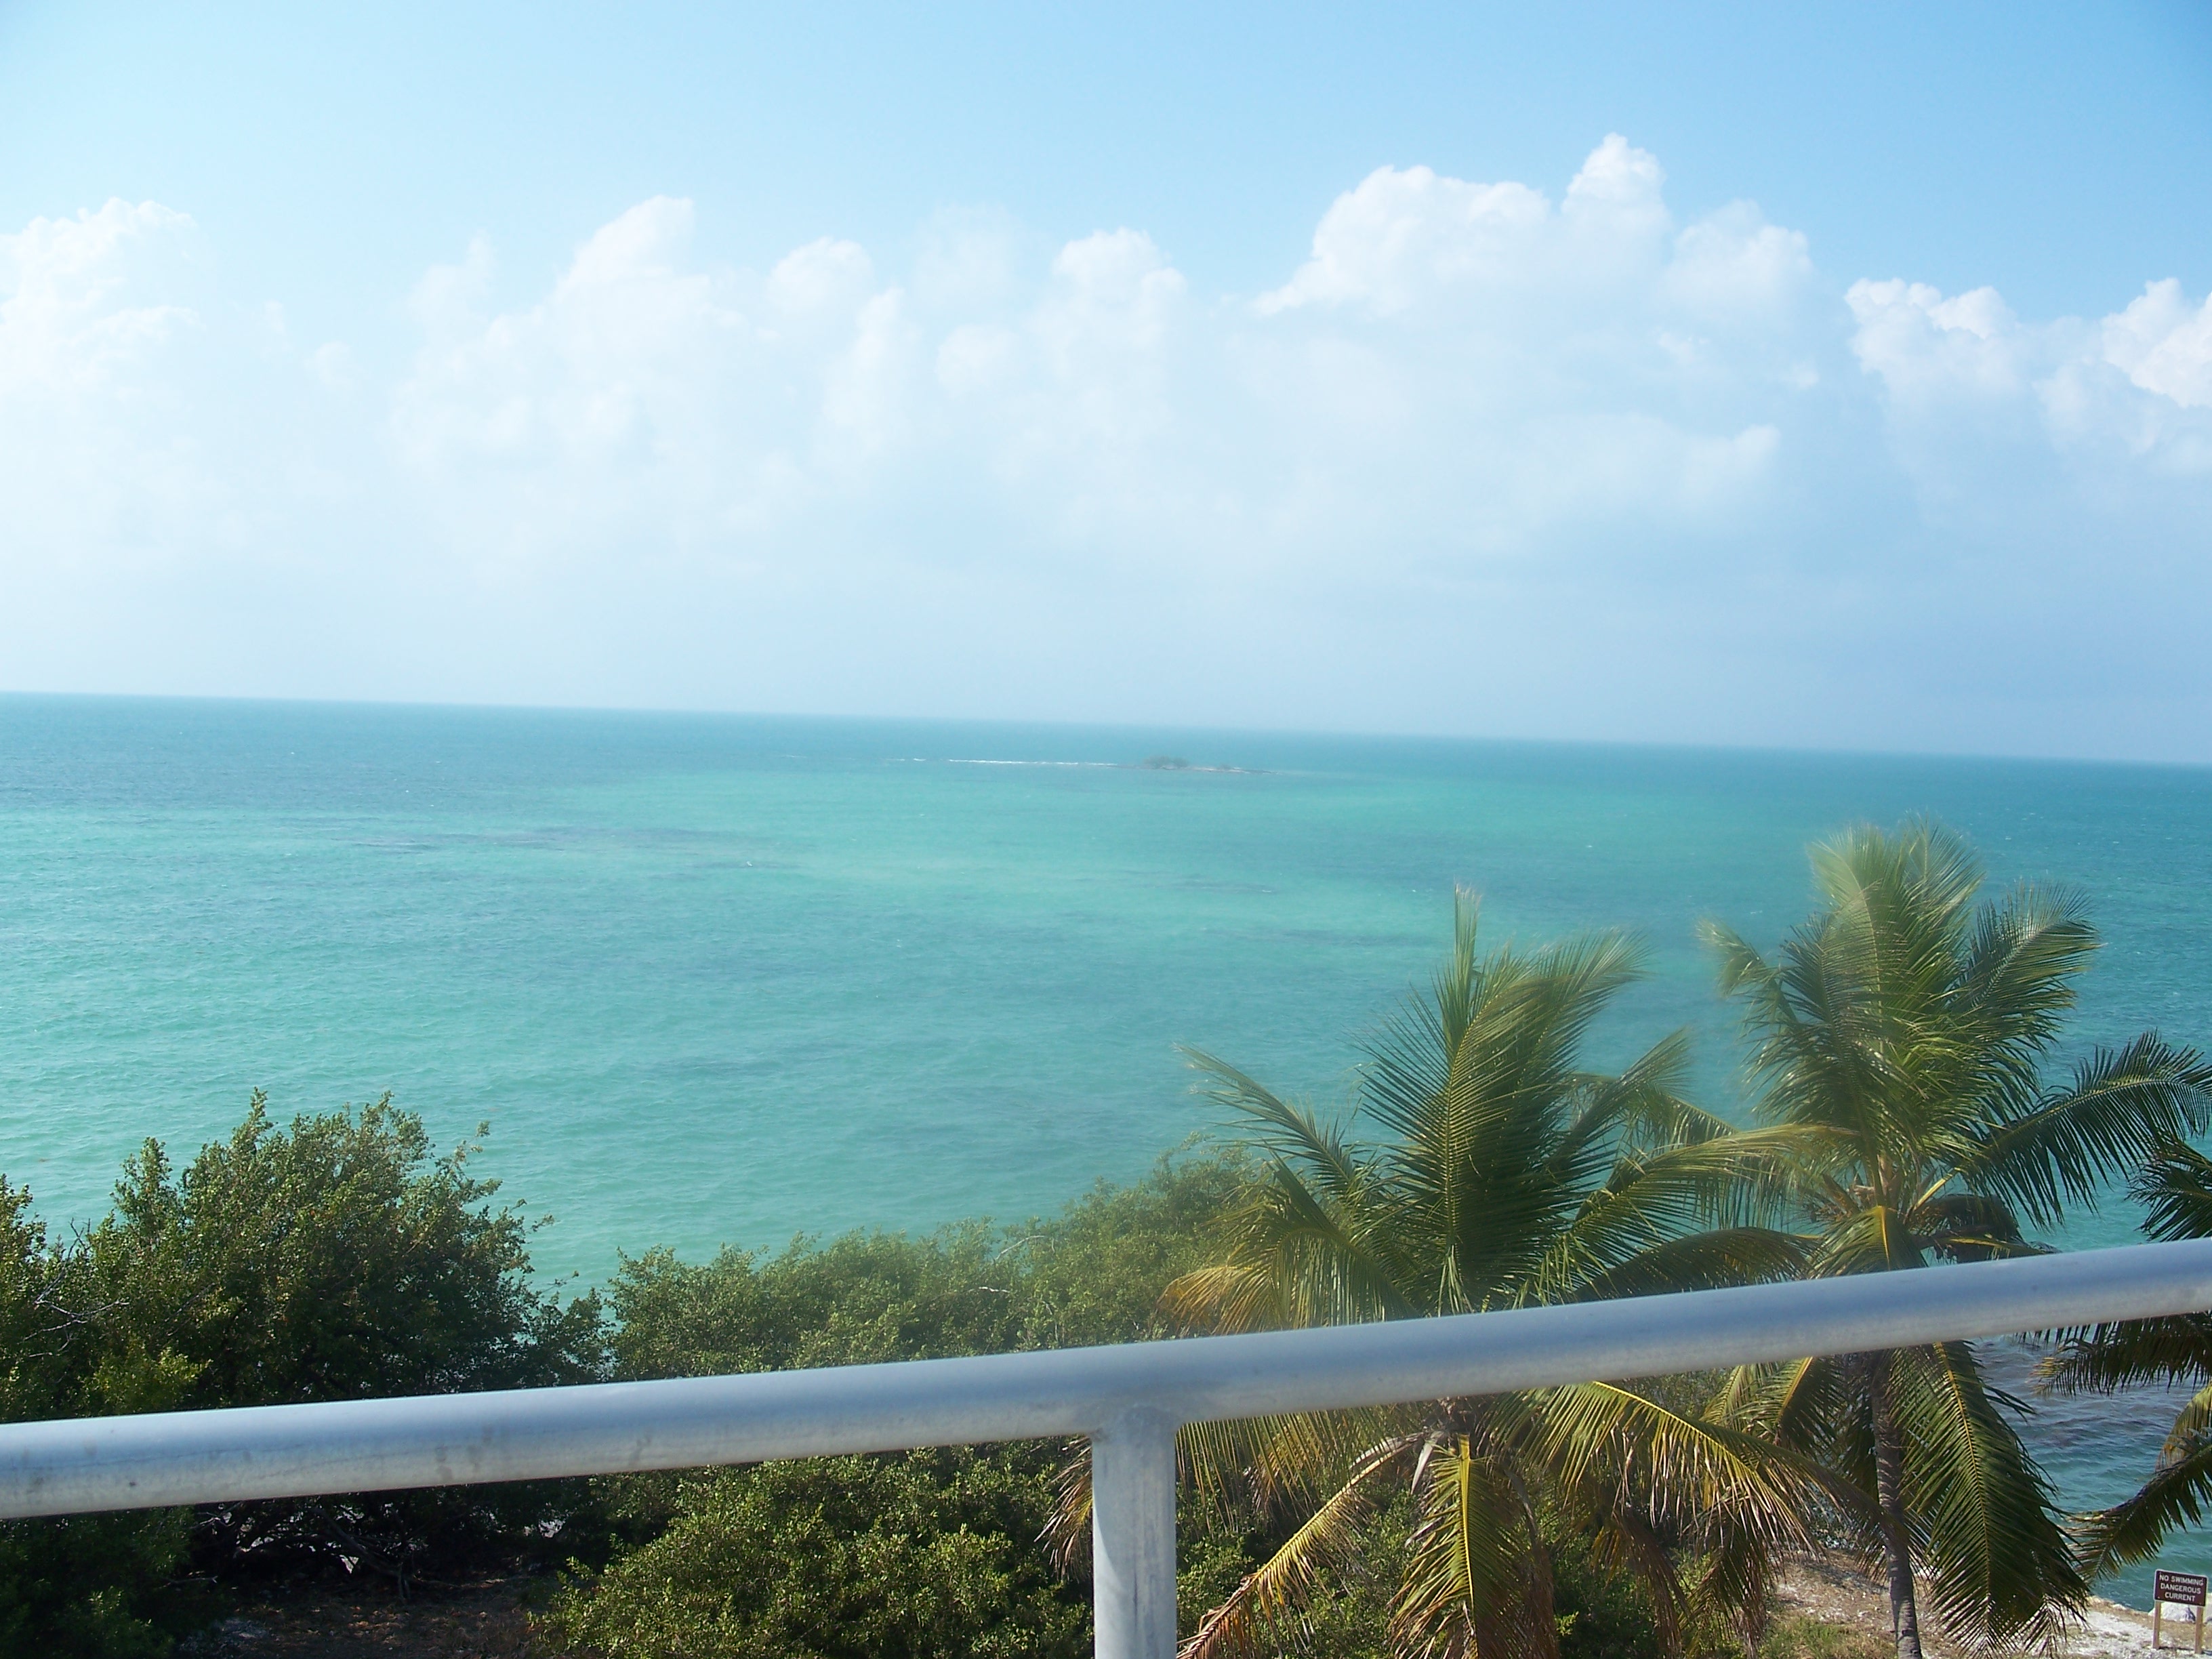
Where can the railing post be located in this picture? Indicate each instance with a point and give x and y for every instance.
(1133, 1536)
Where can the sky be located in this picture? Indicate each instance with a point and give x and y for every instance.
(1814, 376)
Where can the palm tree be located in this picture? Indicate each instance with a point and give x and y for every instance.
(2176, 1189)
(1507, 1175)
(1897, 1044)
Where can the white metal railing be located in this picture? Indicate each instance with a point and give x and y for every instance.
(1129, 1400)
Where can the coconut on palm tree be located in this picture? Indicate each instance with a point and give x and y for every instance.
(2176, 1190)
(1899, 1042)
(1505, 1173)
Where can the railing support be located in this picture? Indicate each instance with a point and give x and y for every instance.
(1133, 1536)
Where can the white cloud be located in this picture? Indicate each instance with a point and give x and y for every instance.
(80, 311)
(2163, 346)
(450, 299)
(1402, 236)
(827, 278)
(1927, 347)
(1411, 238)
(1732, 268)
(1485, 460)
(634, 403)
(1965, 378)
(103, 352)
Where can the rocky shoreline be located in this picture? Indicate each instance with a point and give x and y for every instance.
(1834, 1593)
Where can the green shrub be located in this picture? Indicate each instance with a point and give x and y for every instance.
(333, 1259)
(927, 1554)
(337, 1258)
(864, 1298)
(36, 1328)
(1602, 1614)
(1092, 1274)
(90, 1585)
(97, 1586)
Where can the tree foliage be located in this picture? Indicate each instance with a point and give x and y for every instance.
(1505, 1173)
(914, 1554)
(334, 1258)
(1899, 1042)
(924, 1556)
(86, 1586)
(2175, 1188)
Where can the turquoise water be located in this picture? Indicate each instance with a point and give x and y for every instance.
(714, 979)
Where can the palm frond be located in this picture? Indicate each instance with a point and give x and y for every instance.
(1804, 1407)
(1263, 1466)
(1997, 1554)
(1299, 1257)
(1749, 1177)
(2124, 1107)
(1292, 1133)
(1675, 1218)
(1225, 1298)
(1962, 1227)
(2190, 1425)
(2018, 969)
(1613, 1437)
(1698, 1261)
(1644, 1103)
(1250, 1622)
(1067, 1536)
(2175, 1189)
(2178, 1494)
(1735, 1575)
(2131, 1354)
(1477, 1579)
(1918, 880)
(1872, 1239)
(1743, 969)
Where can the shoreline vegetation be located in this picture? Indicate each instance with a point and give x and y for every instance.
(1902, 1110)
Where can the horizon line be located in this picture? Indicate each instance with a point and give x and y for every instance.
(1686, 745)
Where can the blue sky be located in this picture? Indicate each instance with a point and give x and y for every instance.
(1819, 374)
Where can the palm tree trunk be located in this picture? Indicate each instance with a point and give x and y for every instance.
(1889, 1494)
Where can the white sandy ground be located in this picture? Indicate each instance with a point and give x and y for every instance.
(1837, 1594)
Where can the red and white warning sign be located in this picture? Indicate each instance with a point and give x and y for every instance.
(2179, 1589)
(2182, 1589)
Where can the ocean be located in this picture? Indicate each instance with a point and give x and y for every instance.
(719, 979)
